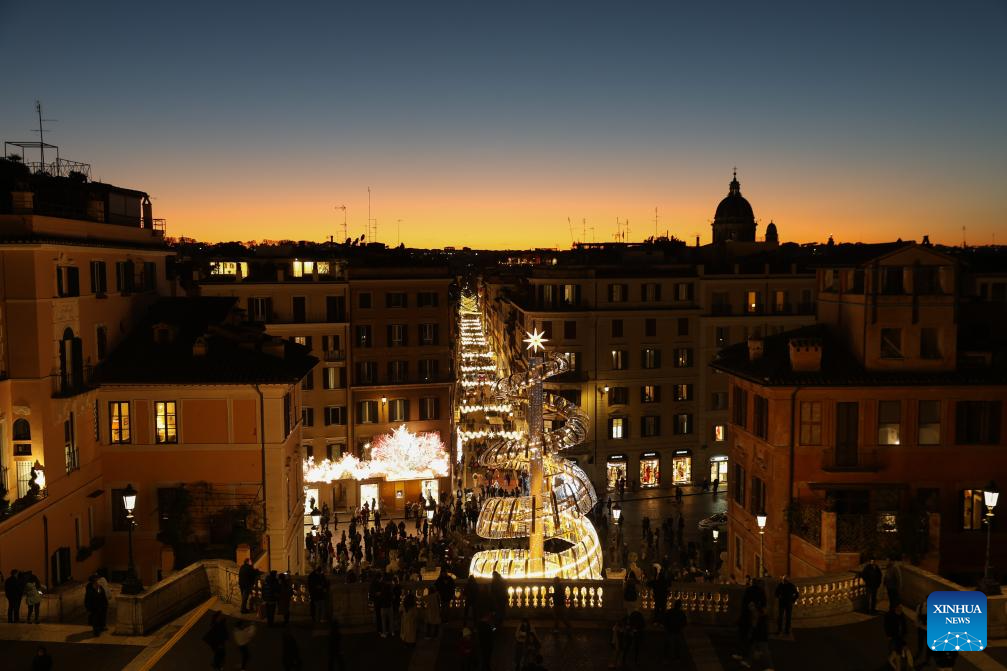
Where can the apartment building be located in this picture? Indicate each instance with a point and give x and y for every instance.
(81, 262)
(874, 432)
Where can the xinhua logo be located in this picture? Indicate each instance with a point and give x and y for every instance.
(956, 621)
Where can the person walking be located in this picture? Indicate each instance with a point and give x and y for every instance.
(630, 592)
(385, 603)
(871, 575)
(96, 603)
(216, 639)
(498, 596)
(674, 622)
(408, 619)
(243, 633)
(432, 613)
(14, 591)
(895, 626)
(526, 643)
(32, 597)
(318, 593)
(559, 614)
(445, 587)
(900, 659)
(291, 652)
(759, 649)
(716, 486)
(786, 596)
(270, 595)
(284, 592)
(247, 575)
(42, 661)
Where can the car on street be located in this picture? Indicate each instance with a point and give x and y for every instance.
(717, 521)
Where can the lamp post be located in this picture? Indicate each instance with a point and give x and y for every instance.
(761, 520)
(132, 584)
(617, 517)
(991, 495)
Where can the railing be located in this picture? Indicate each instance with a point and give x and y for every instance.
(861, 461)
(65, 386)
(335, 355)
(159, 225)
(806, 522)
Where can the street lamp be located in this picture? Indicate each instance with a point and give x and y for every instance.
(431, 508)
(316, 517)
(617, 517)
(761, 520)
(617, 512)
(716, 535)
(132, 584)
(990, 497)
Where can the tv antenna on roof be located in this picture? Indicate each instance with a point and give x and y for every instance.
(372, 224)
(41, 132)
(346, 235)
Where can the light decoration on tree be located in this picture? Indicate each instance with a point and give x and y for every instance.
(399, 455)
(560, 494)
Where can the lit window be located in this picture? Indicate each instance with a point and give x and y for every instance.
(617, 428)
(753, 302)
(929, 423)
(719, 433)
(398, 410)
(165, 429)
(972, 507)
(683, 424)
(118, 413)
(304, 268)
(619, 359)
(889, 422)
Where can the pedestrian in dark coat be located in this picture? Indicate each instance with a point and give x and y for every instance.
(96, 603)
(216, 638)
(247, 576)
(42, 661)
(14, 591)
(786, 596)
(871, 575)
(270, 596)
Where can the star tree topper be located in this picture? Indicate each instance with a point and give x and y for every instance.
(536, 341)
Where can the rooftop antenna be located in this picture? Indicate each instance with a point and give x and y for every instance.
(41, 132)
(372, 224)
(963, 238)
(398, 232)
(655, 223)
(583, 229)
(345, 233)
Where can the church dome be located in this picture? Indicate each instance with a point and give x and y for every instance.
(734, 219)
(771, 233)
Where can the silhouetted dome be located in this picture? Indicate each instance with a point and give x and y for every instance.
(771, 234)
(734, 219)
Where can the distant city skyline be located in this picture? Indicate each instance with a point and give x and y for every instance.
(507, 125)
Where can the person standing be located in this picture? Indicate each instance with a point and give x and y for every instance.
(408, 620)
(32, 597)
(13, 590)
(216, 639)
(871, 575)
(432, 614)
(318, 588)
(284, 593)
(42, 661)
(786, 596)
(445, 587)
(243, 633)
(526, 643)
(900, 659)
(270, 594)
(96, 603)
(630, 593)
(674, 626)
(247, 576)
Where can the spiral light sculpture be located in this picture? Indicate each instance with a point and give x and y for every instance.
(561, 494)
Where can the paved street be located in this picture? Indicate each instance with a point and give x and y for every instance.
(17, 655)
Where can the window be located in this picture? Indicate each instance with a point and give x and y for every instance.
(303, 268)
(723, 336)
(364, 337)
(299, 309)
(570, 395)
(125, 277)
(165, 424)
(683, 392)
(753, 302)
(67, 281)
(721, 303)
(335, 308)
(616, 328)
(397, 335)
(149, 276)
(650, 393)
(719, 433)
(620, 360)
(70, 452)
(977, 422)
(367, 412)
(760, 415)
(683, 357)
(780, 305)
(569, 330)
(650, 426)
(335, 415)
(331, 344)
(683, 424)
(398, 410)
(889, 422)
(426, 299)
(618, 395)
(260, 309)
(891, 280)
(891, 343)
(364, 300)
(683, 291)
(617, 428)
(99, 278)
(927, 280)
(929, 427)
(308, 382)
(574, 359)
(739, 555)
(335, 377)
(398, 371)
(757, 502)
(719, 400)
(569, 294)
(101, 342)
(367, 372)
(308, 417)
(546, 329)
(650, 292)
(650, 358)
(739, 407)
(739, 485)
(617, 293)
(973, 505)
(430, 408)
(396, 299)
(429, 369)
(428, 334)
(309, 450)
(811, 423)
(119, 520)
(683, 326)
(304, 341)
(930, 347)
(118, 418)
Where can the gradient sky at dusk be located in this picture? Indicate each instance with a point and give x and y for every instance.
(489, 124)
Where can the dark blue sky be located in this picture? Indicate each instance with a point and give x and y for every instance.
(866, 120)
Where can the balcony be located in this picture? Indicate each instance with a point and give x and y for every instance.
(335, 355)
(843, 461)
(73, 383)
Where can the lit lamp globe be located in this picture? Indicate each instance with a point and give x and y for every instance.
(761, 521)
(989, 585)
(129, 499)
(430, 512)
(617, 513)
(990, 496)
(716, 535)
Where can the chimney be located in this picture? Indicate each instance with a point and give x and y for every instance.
(199, 347)
(806, 355)
(755, 348)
